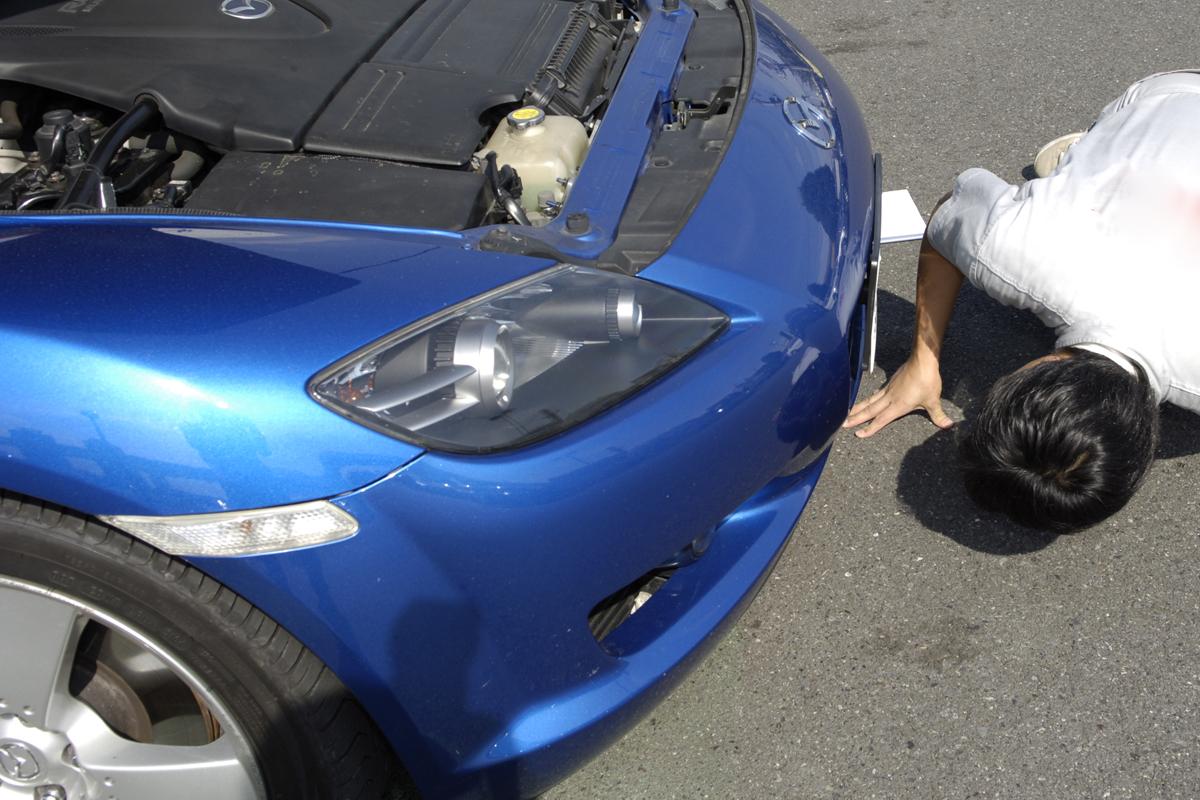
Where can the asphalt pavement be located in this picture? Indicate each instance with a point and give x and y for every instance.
(908, 645)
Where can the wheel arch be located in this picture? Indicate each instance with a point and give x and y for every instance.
(276, 649)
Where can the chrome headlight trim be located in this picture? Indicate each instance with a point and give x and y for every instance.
(515, 365)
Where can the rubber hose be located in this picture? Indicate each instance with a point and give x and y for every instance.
(143, 171)
(58, 149)
(86, 188)
(509, 202)
(35, 198)
(515, 210)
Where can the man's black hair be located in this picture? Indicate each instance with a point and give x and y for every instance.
(1061, 445)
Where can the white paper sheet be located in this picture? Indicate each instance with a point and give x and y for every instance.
(901, 221)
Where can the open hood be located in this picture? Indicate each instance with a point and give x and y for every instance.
(259, 74)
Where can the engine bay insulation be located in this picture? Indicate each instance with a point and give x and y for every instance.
(401, 80)
(253, 84)
(425, 96)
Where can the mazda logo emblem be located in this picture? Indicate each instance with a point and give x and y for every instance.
(18, 763)
(247, 9)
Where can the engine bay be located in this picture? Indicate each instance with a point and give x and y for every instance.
(448, 115)
(395, 139)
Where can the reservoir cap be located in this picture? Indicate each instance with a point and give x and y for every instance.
(526, 117)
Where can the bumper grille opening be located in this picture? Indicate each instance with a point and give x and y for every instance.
(612, 612)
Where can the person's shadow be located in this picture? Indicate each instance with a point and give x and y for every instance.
(986, 340)
(930, 484)
(1178, 433)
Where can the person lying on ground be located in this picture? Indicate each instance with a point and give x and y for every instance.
(1105, 248)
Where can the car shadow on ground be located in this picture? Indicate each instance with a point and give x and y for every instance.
(986, 340)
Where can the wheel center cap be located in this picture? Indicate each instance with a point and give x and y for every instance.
(33, 757)
(19, 761)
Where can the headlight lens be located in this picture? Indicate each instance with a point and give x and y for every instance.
(521, 363)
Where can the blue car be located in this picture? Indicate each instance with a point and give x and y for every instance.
(399, 396)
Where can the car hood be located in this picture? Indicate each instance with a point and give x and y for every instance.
(424, 72)
(183, 345)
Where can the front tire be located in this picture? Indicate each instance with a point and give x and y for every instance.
(131, 674)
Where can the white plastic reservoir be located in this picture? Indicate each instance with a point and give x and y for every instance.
(546, 151)
(11, 157)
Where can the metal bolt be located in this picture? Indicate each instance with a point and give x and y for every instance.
(50, 791)
(578, 222)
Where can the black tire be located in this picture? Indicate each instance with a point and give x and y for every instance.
(309, 736)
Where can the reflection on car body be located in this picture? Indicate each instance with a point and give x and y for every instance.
(403, 400)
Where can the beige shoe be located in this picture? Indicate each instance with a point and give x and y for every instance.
(1048, 157)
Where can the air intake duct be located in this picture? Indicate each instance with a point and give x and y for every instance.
(571, 81)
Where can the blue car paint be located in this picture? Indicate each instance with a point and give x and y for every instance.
(184, 391)
(511, 551)
(458, 615)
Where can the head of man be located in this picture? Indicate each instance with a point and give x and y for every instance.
(1062, 443)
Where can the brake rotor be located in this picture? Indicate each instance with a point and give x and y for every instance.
(212, 728)
(110, 696)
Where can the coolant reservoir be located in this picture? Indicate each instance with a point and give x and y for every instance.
(545, 151)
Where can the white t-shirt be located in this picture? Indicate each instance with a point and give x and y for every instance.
(1106, 249)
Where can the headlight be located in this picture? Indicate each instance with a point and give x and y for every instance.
(521, 363)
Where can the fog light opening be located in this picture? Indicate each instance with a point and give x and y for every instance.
(615, 610)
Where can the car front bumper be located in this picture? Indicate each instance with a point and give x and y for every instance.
(459, 614)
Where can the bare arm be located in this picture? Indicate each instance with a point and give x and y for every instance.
(938, 282)
(917, 384)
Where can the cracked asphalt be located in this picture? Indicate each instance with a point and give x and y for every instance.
(908, 645)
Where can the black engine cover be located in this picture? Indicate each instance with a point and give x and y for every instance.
(218, 75)
(394, 79)
(423, 95)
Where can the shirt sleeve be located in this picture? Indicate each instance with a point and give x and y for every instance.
(981, 230)
(959, 229)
